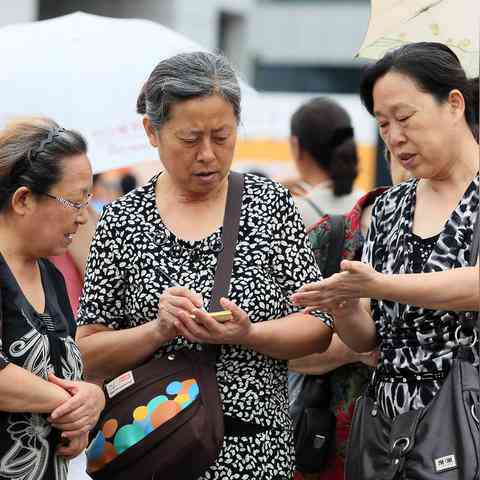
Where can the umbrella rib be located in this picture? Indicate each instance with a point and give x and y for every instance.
(425, 9)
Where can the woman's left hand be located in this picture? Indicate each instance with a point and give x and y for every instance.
(75, 447)
(356, 280)
(80, 413)
(205, 329)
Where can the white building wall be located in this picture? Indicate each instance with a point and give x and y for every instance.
(327, 32)
(17, 11)
(199, 20)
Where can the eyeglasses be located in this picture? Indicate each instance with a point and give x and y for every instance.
(68, 203)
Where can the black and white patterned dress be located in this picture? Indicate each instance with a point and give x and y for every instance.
(131, 249)
(40, 343)
(412, 339)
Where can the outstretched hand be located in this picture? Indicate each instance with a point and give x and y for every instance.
(80, 413)
(355, 280)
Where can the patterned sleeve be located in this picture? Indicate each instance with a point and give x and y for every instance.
(373, 249)
(293, 263)
(103, 291)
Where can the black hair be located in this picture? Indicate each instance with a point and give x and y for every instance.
(433, 66)
(128, 182)
(474, 85)
(323, 128)
(32, 154)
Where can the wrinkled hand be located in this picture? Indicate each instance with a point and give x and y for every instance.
(176, 303)
(356, 280)
(74, 448)
(205, 329)
(79, 414)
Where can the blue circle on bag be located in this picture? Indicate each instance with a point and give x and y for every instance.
(174, 388)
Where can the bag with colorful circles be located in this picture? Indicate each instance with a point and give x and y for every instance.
(159, 425)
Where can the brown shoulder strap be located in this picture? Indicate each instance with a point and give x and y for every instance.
(231, 224)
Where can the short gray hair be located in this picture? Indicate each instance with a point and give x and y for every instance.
(184, 77)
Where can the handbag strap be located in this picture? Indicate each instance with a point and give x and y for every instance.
(314, 206)
(473, 261)
(474, 255)
(335, 245)
(231, 225)
(223, 272)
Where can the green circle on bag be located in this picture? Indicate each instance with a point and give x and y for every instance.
(127, 436)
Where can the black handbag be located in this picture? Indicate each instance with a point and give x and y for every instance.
(439, 441)
(164, 419)
(314, 423)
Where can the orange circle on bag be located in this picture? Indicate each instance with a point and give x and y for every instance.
(164, 412)
(109, 428)
(186, 384)
(109, 453)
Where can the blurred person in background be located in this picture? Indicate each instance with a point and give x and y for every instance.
(73, 262)
(45, 182)
(151, 240)
(106, 188)
(128, 182)
(325, 155)
(349, 371)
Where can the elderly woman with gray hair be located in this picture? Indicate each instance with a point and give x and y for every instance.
(173, 226)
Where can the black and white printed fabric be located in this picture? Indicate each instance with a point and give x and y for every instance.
(412, 339)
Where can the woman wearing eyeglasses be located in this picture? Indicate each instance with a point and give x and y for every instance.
(46, 410)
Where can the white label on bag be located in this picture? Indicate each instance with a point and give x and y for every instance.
(443, 464)
(119, 383)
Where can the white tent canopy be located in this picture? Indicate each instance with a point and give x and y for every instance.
(86, 71)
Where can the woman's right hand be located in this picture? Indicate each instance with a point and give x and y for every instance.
(176, 303)
(80, 413)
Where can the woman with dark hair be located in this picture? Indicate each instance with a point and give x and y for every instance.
(45, 180)
(325, 154)
(475, 100)
(153, 262)
(422, 101)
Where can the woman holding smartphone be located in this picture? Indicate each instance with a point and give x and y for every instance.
(152, 264)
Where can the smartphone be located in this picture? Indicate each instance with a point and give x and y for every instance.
(222, 316)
